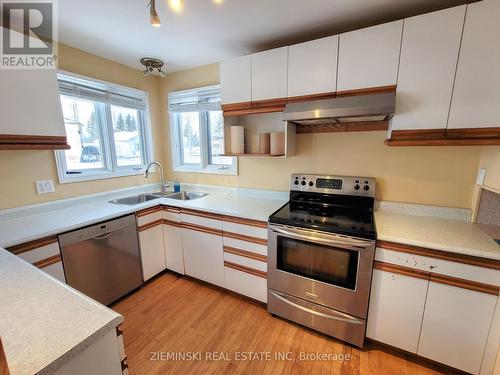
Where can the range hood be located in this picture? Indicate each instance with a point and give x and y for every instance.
(348, 109)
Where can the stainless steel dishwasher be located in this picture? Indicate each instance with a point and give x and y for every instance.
(103, 261)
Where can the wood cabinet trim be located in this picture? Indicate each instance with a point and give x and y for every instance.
(414, 134)
(245, 269)
(204, 214)
(148, 211)
(172, 223)
(439, 254)
(199, 228)
(259, 241)
(367, 90)
(250, 222)
(305, 98)
(150, 225)
(401, 270)
(33, 142)
(445, 137)
(230, 107)
(444, 142)
(344, 127)
(175, 210)
(48, 261)
(260, 106)
(32, 245)
(465, 284)
(245, 253)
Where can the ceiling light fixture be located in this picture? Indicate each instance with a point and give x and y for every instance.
(151, 64)
(176, 5)
(154, 18)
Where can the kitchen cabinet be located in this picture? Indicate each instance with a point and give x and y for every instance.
(456, 325)
(312, 68)
(429, 53)
(31, 110)
(476, 93)
(397, 303)
(369, 57)
(172, 239)
(269, 75)
(235, 80)
(202, 246)
(150, 227)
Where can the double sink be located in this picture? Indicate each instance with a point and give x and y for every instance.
(141, 198)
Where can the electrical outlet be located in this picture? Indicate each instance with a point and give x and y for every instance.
(45, 186)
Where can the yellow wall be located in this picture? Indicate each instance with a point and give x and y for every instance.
(426, 175)
(20, 169)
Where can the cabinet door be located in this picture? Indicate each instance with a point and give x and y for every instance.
(235, 80)
(269, 74)
(203, 256)
(369, 57)
(29, 103)
(172, 238)
(476, 94)
(429, 53)
(152, 251)
(396, 309)
(456, 325)
(312, 67)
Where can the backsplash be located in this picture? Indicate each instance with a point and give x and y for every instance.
(489, 208)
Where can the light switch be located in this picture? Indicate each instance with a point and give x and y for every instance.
(45, 186)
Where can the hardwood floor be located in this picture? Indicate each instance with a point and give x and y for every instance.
(175, 315)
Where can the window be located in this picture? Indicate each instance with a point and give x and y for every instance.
(197, 132)
(106, 127)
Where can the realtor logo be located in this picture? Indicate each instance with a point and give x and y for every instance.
(29, 35)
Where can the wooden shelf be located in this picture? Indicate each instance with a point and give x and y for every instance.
(255, 155)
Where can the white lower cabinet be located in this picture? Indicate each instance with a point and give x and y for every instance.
(203, 255)
(456, 325)
(396, 309)
(245, 283)
(172, 238)
(152, 251)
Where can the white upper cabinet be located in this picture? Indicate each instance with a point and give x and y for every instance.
(269, 74)
(312, 67)
(369, 57)
(429, 53)
(29, 103)
(476, 97)
(235, 80)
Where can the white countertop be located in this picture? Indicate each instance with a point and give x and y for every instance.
(456, 236)
(49, 222)
(44, 322)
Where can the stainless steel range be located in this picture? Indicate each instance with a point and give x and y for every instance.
(321, 248)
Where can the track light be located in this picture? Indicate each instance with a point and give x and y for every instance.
(154, 18)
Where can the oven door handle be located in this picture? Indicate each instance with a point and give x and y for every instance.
(331, 240)
(335, 315)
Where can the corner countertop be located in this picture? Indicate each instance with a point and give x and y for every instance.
(45, 323)
(77, 214)
(455, 236)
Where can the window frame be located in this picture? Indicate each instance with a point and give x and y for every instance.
(176, 143)
(110, 168)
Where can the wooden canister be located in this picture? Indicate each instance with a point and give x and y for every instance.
(264, 143)
(237, 139)
(277, 143)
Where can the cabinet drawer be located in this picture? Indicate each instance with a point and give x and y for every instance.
(245, 228)
(40, 253)
(245, 283)
(206, 220)
(245, 261)
(171, 214)
(439, 266)
(246, 246)
(149, 215)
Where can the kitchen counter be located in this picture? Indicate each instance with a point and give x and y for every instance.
(45, 323)
(51, 221)
(455, 236)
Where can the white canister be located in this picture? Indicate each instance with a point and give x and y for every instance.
(278, 143)
(237, 139)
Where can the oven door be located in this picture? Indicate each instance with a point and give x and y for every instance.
(324, 268)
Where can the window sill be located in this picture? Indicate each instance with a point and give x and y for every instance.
(231, 171)
(67, 179)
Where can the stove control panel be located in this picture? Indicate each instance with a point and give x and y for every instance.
(325, 184)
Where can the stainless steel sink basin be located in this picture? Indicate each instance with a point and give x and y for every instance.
(184, 195)
(135, 199)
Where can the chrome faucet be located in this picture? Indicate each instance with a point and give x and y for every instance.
(164, 186)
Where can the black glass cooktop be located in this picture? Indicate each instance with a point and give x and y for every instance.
(347, 215)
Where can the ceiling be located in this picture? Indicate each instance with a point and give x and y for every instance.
(205, 32)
